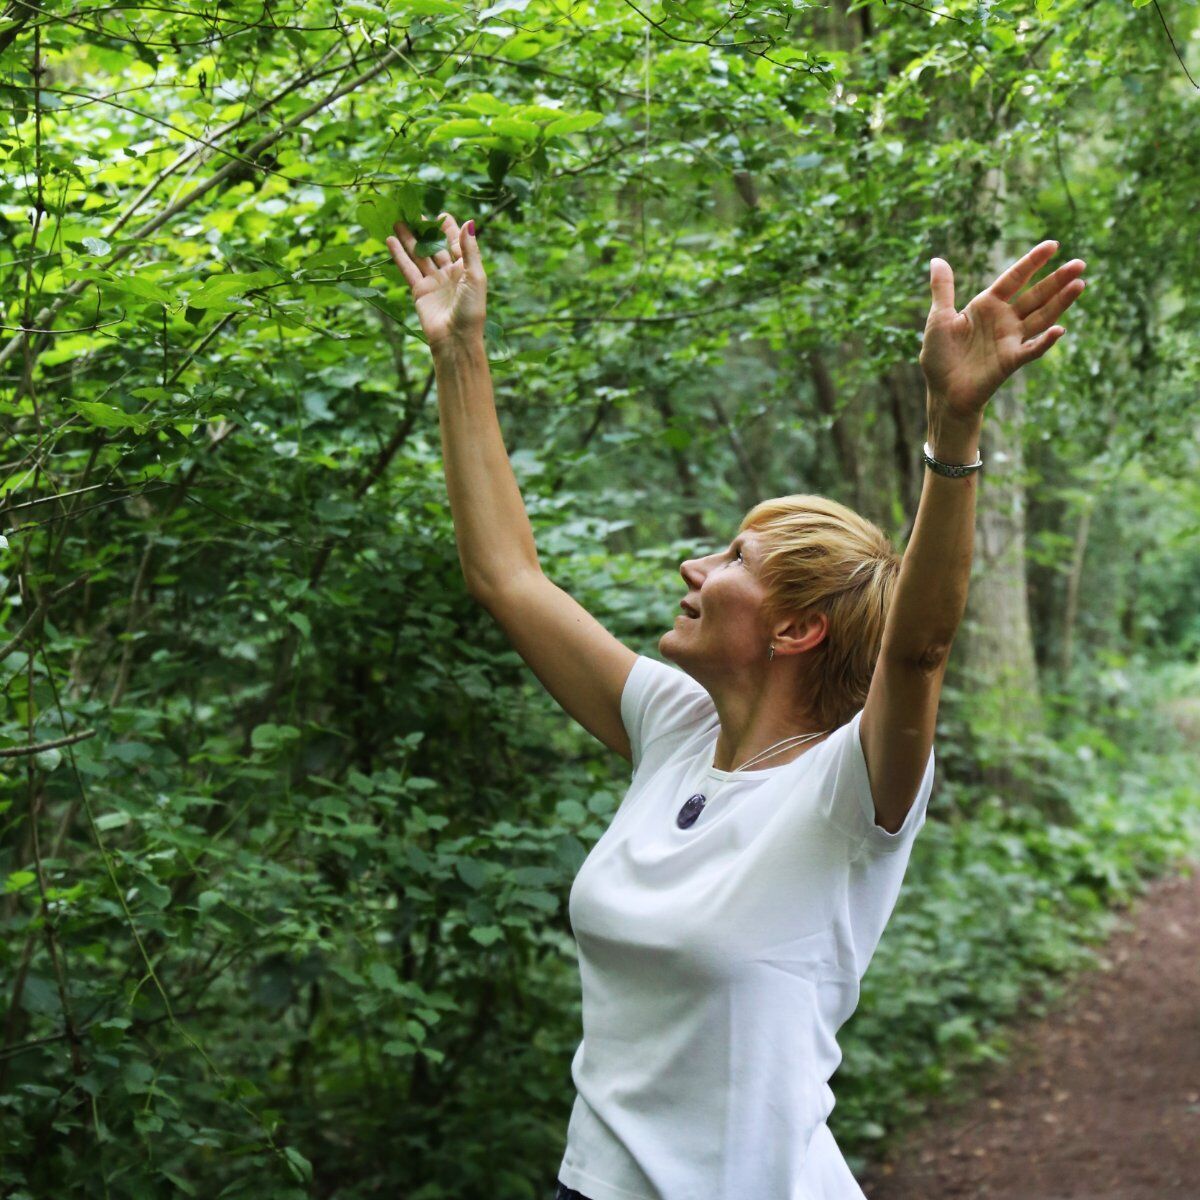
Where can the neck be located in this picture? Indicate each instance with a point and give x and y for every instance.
(757, 713)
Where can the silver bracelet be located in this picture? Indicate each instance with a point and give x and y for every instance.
(951, 470)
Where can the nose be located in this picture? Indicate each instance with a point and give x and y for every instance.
(692, 572)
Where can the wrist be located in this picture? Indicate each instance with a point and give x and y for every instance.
(458, 344)
(953, 436)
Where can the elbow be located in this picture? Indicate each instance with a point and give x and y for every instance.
(481, 593)
(933, 657)
(485, 591)
(925, 658)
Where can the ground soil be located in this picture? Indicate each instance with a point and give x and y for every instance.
(1100, 1098)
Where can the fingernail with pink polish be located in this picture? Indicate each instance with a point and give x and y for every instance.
(470, 227)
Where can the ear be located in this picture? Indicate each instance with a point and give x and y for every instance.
(798, 634)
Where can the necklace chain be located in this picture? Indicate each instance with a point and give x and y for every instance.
(693, 806)
(797, 739)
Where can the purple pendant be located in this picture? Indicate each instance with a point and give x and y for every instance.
(691, 809)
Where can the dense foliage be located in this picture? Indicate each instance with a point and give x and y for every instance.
(285, 908)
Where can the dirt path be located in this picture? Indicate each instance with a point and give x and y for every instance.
(1100, 1099)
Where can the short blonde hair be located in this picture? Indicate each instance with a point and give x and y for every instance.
(818, 555)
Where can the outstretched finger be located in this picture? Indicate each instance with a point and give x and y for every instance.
(1053, 308)
(1030, 301)
(409, 269)
(1019, 274)
(941, 283)
(453, 234)
(439, 258)
(470, 249)
(408, 240)
(1038, 346)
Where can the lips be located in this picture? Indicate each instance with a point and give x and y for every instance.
(688, 610)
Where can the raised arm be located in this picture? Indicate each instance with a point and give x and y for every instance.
(965, 357)
(578, 661)
(491, 527)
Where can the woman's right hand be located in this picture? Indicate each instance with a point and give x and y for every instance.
(449, 289)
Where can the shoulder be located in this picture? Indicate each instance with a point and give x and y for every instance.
(849, 798)
(660, 700)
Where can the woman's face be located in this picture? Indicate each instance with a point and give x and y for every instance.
(726, 592)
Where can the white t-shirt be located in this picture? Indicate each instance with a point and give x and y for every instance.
(717, 962)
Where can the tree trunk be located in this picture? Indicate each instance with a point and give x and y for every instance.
(844, 446)
(998, 670)
(1071, 614)
(905, 387)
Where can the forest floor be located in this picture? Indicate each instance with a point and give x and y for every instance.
(1100, 1098)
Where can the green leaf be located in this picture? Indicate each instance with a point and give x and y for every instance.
(113, 820)
(487, 104)
(384, 976)
(532, 876)
(472, 872)
(458, 128)
(128, 285)
(331, 256)
(300, 1167)
(359, 293)
(156, 895)
(528, 44)
(41, 996)
(271, 737)
(514, 127)
(218, 290)
(301, 622)
(485, 935)
(18, 880)
(543, 901)
(499, 160)
(48, 760)
(377, 214)
(571, 810)
(573, 124)
(109, 417)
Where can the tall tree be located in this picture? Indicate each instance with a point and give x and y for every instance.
(998, 664)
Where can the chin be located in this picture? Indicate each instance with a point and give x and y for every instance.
(668, 645)
(675, 646)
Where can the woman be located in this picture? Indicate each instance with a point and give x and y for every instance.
(726, 916)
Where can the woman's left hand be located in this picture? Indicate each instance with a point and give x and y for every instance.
(967, 355)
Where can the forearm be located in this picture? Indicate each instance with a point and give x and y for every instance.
(931, 593)
(491, 526)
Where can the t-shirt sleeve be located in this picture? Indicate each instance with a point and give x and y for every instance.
(848, 801)
(659, 700)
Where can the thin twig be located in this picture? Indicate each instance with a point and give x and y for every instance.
(37, 748)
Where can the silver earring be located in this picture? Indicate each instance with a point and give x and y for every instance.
(771, 656)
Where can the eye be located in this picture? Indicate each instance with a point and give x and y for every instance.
(737, 558)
